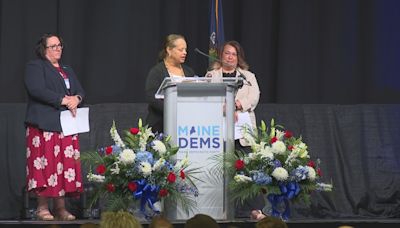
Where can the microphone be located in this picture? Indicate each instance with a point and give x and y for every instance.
(241, 75)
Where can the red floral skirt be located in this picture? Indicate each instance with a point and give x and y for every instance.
(53, 167)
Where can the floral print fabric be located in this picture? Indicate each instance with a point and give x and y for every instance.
(53, 166)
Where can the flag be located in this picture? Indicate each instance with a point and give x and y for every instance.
(217, 37)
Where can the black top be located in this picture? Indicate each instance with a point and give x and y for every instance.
(156, 106)
(46, 89)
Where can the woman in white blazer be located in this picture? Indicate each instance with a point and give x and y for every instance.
(232, 64)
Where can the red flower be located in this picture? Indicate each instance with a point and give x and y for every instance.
(182, 175)
(110, 187)
(109, 150)
(239, 164)
(319, 172)
(132, 186)
(288, 134)
(290, 147)
(273, 139)
(101, 169)
(171, 177)
(311, 164)
(134, 130)
(163, 192)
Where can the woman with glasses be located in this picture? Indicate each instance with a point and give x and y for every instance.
(171, 59)
(53, 166)
(232, 63)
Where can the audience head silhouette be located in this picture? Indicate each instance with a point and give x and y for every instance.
(271, 222)
(201, 221)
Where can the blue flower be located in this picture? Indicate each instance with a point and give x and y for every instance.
(145, 156)
(300, 173)
(160, 136)
(277, 163)
(260, 178)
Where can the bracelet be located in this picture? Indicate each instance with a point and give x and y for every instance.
(79, 98)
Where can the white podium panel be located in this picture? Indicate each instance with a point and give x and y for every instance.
(196, 112)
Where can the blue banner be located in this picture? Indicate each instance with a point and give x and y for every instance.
(217, 37)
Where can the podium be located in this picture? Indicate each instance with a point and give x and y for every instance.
(199, 117)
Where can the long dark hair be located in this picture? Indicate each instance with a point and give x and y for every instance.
(41, 45)
(169, 42)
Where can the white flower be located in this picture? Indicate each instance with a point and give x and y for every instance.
(69, 151)
(52, 181)
(61, 192)
(301, 150)
(60, 168)
(181, 164)
(95, 178)
(27, 170)
(145, 168)
(278, 147)
(279, 134)
(158, 164)
(252, 156)
(159, 147)
(311, 173)
(36, 141)
(28, 152)
(47, 135)
(324, 187)
(27, 132)
(242, 178)
(116, 169)
(144, 136)
(40, 162)
(61, 136)
(249, 138)
(266, 152)
(77, 154)
(32, 183)
(280, 174)
(56, 150)
(127, 156)
(69, 174)
(75, 137)
(78, 184)
(115, 136)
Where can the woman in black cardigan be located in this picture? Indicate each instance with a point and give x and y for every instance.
(171, 58)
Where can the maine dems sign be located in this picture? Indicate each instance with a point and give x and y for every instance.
(200, 136)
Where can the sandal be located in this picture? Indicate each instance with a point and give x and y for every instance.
(257, 215)
(44, 214)
(64, 215)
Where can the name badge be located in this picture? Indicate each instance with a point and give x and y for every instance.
(66, 80)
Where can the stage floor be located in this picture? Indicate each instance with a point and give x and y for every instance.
(328, 223)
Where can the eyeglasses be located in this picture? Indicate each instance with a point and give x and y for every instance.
(55, 46)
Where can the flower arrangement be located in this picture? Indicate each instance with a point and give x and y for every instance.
(140, 168)
(278, 166)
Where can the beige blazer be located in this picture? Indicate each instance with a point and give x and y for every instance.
(248, 95)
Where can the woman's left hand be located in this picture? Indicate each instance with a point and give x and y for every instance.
(72, 102)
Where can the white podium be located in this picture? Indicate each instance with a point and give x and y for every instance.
(199, 116)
